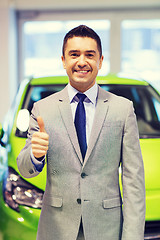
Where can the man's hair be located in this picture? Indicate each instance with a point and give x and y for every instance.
(82, 31)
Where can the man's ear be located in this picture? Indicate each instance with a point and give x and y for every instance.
(100, 62)
(63, 61)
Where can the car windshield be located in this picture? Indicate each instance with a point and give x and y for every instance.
(38, 92)
(145, 99)
(146, 103)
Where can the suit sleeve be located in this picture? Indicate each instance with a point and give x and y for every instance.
(132, 181)
(24, 161)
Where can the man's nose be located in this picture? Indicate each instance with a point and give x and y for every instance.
(82, 61)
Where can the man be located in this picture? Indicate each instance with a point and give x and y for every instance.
(82, 199)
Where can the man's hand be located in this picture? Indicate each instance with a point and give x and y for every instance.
(40, 140)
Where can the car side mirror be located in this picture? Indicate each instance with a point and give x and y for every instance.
(23, 120)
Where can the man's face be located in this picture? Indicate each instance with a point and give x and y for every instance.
(82, 62)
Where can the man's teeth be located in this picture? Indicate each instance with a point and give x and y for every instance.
(83, 71)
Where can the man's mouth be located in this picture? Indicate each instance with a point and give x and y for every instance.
(81, 71)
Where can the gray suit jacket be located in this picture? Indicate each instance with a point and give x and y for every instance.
(114, 140)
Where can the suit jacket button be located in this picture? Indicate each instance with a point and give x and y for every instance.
(83, 175)
(78, 200)
(31, 171)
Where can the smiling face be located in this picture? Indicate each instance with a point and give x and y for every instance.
(82, 62)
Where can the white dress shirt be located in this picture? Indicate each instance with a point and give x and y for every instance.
(89, 104)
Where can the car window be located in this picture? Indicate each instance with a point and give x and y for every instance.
(145, 99)
(146, 102)
(34, 94)
(38, 92)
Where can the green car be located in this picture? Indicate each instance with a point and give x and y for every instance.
(21, 199)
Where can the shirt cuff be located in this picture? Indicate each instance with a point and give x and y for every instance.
(37, 164)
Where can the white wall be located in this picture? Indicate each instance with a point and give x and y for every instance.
(8, 37)
(83, 4)
(4, 62)
(8, 56)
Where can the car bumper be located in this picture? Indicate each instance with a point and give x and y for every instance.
(18, 225)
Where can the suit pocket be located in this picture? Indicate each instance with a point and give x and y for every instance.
(112, 131)
(117, 124)
(53, 201)
(112, 203)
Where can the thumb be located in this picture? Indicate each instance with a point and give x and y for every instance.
(41, 124)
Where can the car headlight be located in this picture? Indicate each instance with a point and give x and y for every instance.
(17, 191)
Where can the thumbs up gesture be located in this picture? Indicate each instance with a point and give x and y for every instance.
(40, 140)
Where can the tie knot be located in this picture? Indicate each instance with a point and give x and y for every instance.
(81, 96)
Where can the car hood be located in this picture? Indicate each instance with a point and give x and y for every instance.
(151, 157)
(150, 152)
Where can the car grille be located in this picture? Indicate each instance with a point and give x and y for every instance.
(152, 230)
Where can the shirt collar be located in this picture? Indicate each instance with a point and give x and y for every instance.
(91, 93)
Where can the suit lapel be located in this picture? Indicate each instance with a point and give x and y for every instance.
(100, 115)
(66, 113)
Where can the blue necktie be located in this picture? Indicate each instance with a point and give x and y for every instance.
(80, 123)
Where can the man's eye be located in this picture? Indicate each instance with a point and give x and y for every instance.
(90, 55)
(74, 55)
